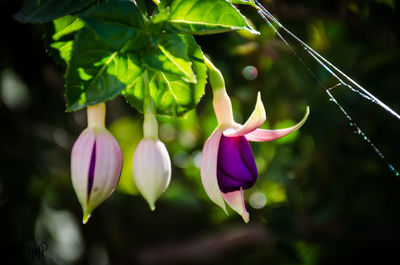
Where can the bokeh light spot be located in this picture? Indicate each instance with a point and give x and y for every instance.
(197, 159)
(167, 132)
(257, 200)
(250, 72)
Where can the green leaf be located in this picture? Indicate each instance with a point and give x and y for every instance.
(243, 2)
(172, 95)
(203, 16)
(97, 72)
(120, 24)
(142, 6)
(34, 11)
(171, 56)
(60, 41)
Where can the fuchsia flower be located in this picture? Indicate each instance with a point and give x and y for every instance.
(227, 165)
(96, 162)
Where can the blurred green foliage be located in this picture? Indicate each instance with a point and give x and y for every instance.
(322, 197)
(128, 132)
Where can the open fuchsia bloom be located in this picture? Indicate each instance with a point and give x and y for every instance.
(228, 166)
(96, 162)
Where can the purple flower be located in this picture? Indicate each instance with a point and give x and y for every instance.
(96, 162)
(235, 165)
(228, 166)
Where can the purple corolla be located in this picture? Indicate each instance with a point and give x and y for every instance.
(228, 166)
(96, 162)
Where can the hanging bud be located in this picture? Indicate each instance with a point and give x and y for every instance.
(96, 162)
(151, 162)
(151, 169)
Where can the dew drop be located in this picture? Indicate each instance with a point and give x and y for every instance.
(396, 173)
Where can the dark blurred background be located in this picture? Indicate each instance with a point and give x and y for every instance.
(323, 195)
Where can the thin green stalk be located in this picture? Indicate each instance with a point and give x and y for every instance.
(150, 125)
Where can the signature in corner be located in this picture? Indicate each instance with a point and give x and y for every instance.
(33, 252)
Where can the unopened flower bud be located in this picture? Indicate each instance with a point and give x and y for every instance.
(96, 162)
(151, 163)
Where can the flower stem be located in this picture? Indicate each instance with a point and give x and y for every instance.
(96, 115)
(221, 101)
(214, 75)
(150, 125)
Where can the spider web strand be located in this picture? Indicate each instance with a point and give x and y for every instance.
(335, 72)
(324, 62)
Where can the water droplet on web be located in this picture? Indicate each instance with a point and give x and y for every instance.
(395, 172)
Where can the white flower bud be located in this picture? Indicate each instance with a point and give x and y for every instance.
(151, 169)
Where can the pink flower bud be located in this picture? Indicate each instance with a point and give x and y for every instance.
(96, 162)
